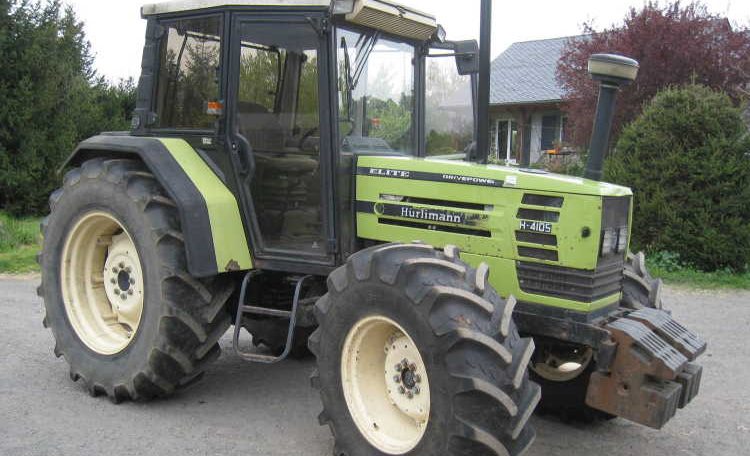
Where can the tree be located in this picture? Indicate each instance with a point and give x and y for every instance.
(50, 98)
(676, 45)
(687, 159)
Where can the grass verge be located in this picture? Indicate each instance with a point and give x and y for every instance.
(19, 242)
(672, 272)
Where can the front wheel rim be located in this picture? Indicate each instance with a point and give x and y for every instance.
(564, 366)
(385, 385)
(102, 283)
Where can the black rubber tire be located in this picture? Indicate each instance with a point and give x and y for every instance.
(183, 317)
(639, 289)
(475, 359)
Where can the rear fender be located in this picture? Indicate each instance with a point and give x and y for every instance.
(215, 237)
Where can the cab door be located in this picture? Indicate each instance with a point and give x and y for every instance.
(278, 132)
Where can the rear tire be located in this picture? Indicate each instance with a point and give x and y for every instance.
(465, 386)
(182, 317)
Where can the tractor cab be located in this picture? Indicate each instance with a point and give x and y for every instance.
(281, 95)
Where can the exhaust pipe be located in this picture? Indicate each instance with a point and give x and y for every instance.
(613, 72)
(483, 89)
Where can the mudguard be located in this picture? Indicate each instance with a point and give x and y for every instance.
(215, 237)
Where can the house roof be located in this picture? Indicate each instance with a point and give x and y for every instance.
(525, 73)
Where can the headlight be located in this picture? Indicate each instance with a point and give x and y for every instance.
(609, 241)
(622, 239)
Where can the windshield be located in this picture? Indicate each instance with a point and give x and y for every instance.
(449, 113)
(376, 93)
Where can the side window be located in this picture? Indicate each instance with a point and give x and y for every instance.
(189, 73)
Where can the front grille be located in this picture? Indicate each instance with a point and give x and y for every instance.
(568, 283)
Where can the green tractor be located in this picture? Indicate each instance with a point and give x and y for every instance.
(277, 178)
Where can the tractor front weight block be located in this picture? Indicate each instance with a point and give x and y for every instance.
(651, 374)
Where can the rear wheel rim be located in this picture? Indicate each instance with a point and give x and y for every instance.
(385, 385)
(102, 283)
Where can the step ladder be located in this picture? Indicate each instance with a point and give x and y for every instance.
(243, 310)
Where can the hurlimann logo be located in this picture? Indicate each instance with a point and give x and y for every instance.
(432, 216)
(469, 179)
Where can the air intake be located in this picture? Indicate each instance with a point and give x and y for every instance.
(393, 18)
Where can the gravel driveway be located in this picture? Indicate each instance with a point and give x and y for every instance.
(243, 409)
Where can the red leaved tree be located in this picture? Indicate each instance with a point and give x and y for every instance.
(676, 45)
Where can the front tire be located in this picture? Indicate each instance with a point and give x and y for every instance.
(111, 242)
(418, 355)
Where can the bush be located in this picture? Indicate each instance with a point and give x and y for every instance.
(686, 159)
(50, 99)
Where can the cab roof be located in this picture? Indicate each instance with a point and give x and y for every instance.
(384, 15)
(176, 6)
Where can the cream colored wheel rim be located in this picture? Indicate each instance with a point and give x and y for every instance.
(385, 385)
(559, 368)
(102, 283)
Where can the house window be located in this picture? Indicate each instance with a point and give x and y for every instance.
(507, 133)
(550, 131)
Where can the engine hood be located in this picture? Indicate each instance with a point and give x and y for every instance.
(457, 172)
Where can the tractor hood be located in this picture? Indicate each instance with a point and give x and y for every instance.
(461, 172)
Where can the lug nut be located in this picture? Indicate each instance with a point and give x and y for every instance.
(112, 281)
(132, 281)
(122, 265)
(417, 390)
(114, 270)
(128, 270)
(117, 291)
(418, 378)
(130, 292)
(413, 367)
(397, 379)
(410, 395)
(123, 296)
(401, 390)
(398, 368)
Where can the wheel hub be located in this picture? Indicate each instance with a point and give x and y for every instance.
(404, 388)
(122, 281)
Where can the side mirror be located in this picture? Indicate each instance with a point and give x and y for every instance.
(467, 56)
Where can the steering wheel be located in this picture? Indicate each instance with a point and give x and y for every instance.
(307, 136)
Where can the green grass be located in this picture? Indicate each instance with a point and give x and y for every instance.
(19, 243)
(668, 267)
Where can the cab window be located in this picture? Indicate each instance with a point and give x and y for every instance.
(188, 80)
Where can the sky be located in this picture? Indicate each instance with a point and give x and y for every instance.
(116, 30)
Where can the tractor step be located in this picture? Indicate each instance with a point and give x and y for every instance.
(243, 310)
(651, 375)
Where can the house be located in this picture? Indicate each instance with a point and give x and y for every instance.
(526, 101)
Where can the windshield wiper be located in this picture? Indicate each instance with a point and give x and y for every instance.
(365, 47)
